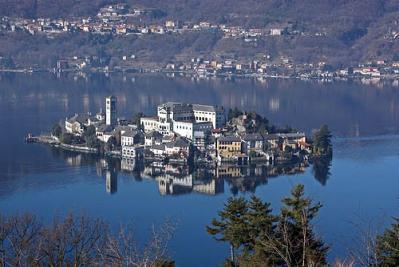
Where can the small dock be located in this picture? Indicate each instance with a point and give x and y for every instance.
(45, 139)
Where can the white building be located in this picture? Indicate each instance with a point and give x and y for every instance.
(153, 138)
(177, 147)
(131, 137)
(214, 114)
(149, 124)
(184, 119)
(173, 111)
(276, 32)
(110, 110)
(132, 152)
(77, 123)
(188, 129)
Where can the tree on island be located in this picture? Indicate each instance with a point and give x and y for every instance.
(56, 130)
(67, 138)
(137, 119)
(111, 144)
(234, 113)
(90, 137)
(252, 121)
(322, 145)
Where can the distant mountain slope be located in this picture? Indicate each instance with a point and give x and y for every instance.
(335, 30)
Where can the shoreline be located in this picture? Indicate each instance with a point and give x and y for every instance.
(208, 75)
(53, 142)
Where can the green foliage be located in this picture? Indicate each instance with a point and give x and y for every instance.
(56, 130)
(388, 246)
(89, 131)
(322, 145)
(254, 123)
(259, 221)
(90, 137)
(286, 129)
(261, 124)
(346, 24)
(303, 248)
(136, 119)
(231, 226)
(269, 240)
(111, 144)
(234, 113)
(67, 138)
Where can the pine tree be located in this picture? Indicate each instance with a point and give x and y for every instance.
(297, 243)
(231, 225)
(261, 225)
(388, 246)
(322, 141)
(260, 220)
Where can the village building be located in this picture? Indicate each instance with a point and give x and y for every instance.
(132, 152)
(79, 122)
(158, 150)
(153, 138)
(179, 146)
(229, 146)
(131, 137)
(184, 119)
(253, 142)
(102, 132)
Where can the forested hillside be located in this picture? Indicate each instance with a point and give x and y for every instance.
(336, 31)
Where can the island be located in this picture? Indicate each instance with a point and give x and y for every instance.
(183, 133)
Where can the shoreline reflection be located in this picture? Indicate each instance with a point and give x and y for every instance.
(174, 179)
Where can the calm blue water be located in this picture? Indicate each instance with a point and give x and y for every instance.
(362, 185)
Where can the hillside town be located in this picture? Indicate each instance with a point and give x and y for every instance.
(184, 133)
(121, 20)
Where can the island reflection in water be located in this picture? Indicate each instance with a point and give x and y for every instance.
(173, 179)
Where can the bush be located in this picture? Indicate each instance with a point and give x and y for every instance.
(56, 130)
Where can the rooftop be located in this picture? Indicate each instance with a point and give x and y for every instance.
(206, 108)
(179, 142)
(229, 139)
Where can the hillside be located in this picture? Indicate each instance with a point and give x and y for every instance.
(336, 31)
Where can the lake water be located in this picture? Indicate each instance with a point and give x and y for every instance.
(361, 184)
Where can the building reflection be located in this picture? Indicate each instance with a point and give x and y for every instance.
(111, 179)
(186, 179)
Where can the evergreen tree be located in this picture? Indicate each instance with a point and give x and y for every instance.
(234, 113)
(261, 225)
(91, 138)
(322, 145)
(388, 246)
(231, 225)
(56, 130)
(259, 219)
(137, 119)
(297, 243)
(111, 144)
